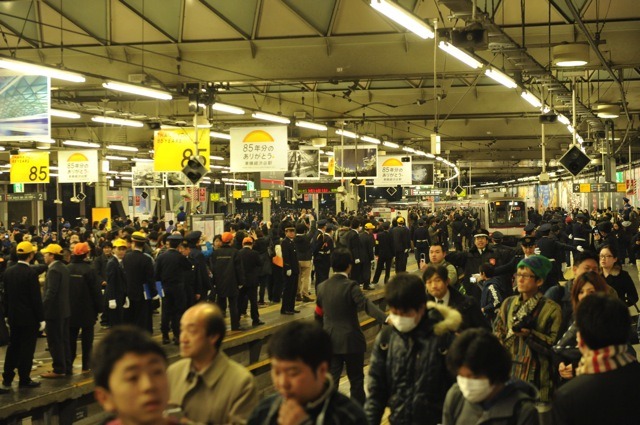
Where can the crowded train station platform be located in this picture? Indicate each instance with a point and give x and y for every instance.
(319, 212)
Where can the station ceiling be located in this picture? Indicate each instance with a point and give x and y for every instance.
(342, 63)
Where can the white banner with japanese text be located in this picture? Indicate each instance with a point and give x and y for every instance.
(256, 149)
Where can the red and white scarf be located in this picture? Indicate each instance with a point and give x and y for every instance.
(604, 359)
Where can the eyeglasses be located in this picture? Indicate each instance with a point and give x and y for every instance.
(606, 256)
(525, 276)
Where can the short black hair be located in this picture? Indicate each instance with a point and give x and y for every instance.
(118, 342)
(612, 248)
(355, 223)
(481, 351)
(488, 270)
(440, 270)
(302, 340)
(23, 257)
(437, 244)
(405, 292)
(603, 320)
(584, 256)
(341, 259)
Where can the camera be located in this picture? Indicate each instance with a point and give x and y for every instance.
(473, 279)
(527, 322)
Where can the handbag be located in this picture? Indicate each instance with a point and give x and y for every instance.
(635, 332)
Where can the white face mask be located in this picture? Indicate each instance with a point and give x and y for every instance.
(474, 390)
(403, 323)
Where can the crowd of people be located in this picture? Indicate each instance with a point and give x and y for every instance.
(477, 331)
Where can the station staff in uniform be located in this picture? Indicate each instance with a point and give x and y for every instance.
(291, 270)
(25, 313)
(384, 250)
(401, 244)
(323, 247)
(170, 269)
(138, 269)
(421, 242)
(115, 291)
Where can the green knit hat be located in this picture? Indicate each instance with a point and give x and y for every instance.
(539, 265)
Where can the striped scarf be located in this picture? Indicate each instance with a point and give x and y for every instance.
(604, 359)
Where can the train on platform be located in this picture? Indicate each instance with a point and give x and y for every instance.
(504, 213)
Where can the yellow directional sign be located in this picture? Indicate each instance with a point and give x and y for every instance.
(173, 148)
(30, 167)
(237, 194)
(265, 194)
(214, 197)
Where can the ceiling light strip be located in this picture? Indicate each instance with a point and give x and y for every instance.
(64, 114)
(81, 144)
(222, 107)
(311, 125)
(501, 78)
(403, 17)
(270, 117)
(139, 90)
(117, 121)
(33, 69)
(460, 54)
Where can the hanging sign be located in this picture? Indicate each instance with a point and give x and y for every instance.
(30, 167)
(259, 149)
(393, 170)
(78, 166)
(173, 148)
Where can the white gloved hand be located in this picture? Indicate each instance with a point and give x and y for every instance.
(288, 272)
(42, 326)
(580, 248)
(157, 297)
(536, 251)
(406, 251)
(126, 302)
(570, 236)
(112, 304)
(357, 261)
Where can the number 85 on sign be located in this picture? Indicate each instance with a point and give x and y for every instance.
(30, 167)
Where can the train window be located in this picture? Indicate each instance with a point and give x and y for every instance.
(507, 214)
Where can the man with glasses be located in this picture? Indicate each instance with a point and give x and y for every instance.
(528, 324)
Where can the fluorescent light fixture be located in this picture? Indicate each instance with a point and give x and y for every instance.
(219, 135)
(216, 167)
(122, 148)
(81, 144)
(608, 111)
(118, 121)
(391, 145)
(439, 158)
(222, 107)
(270, 117)
(311, 125)
(570, 128)
(64, 114)
(571, 54)
(369, 139)
(2, 148)
(532, 99)
(216, 158)
(509, 181)
(401, 16)
(345, 133)
(501, 78)
(148, 160)
(564, 120)
(408, 149)
(329, 153)
(461, 55)
(33, 69)
(116, 158)
(139, 90)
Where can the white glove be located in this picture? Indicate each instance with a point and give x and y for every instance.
(288, 272)
(580, 248)
(357, 261)
(406, 251)
(112, 304)
(126, 302)
(42, 326)
(157, 297)
(570, 236)
(536, 251)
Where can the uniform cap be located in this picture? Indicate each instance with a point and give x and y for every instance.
(81, 248)
(545, 228)
(226, 237)
(528, 241)
(119, 242)
(24, 248)
(482, 233)
(497, 235)
(193, 236)
(247, 241)
(175, 237)
(625, 199)
(529, 227)
(322, 223)
(369, 226)
(52, 248)
(138, 237)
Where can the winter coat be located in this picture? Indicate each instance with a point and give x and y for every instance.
(408, 372)
(84, 294)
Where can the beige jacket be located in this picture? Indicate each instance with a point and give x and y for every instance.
(224, 393)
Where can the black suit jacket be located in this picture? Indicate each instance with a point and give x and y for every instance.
(468, 307)
(138, 269)
(289, 256)
(338, 303)
(56, 292)
(23, 301)
(384, 245)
